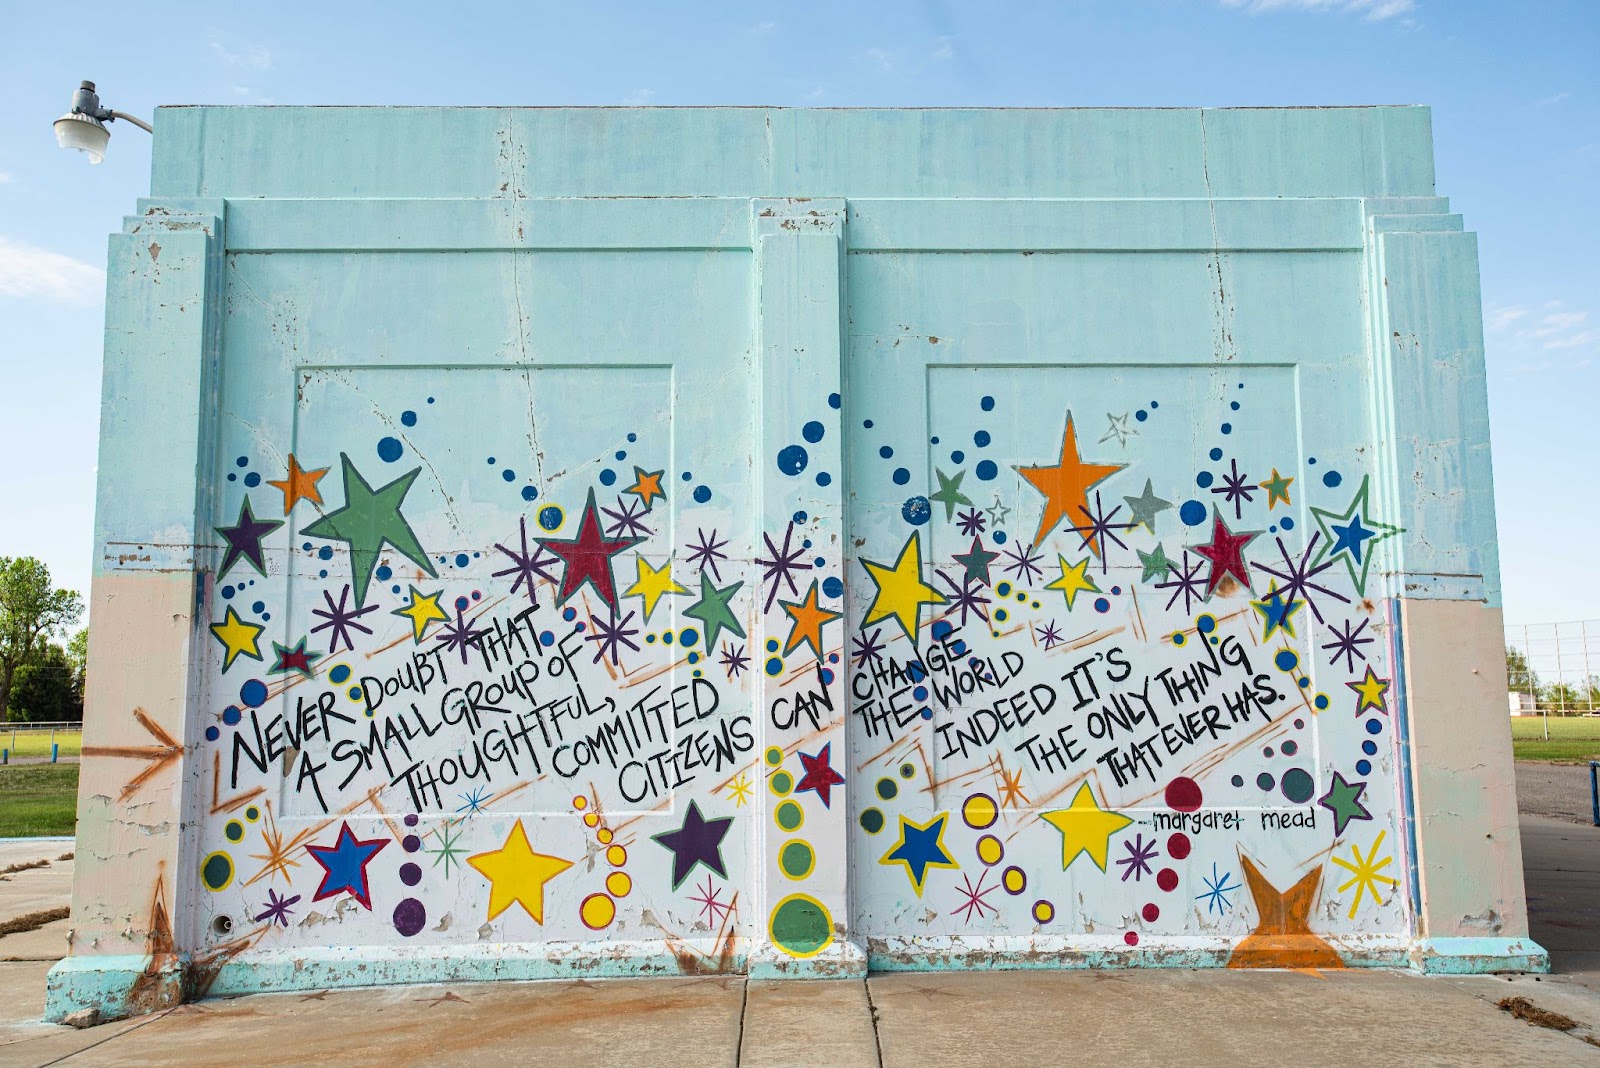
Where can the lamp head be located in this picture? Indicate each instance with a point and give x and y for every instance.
(82, 128)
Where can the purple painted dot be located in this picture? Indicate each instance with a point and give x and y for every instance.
(410, 917)
(411, 819)
(410, 874)
(411, 843)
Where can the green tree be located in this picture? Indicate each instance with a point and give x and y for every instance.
(1520, 678)
(78, 655)
(32, 611)
(46, 689)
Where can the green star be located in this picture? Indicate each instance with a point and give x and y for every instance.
(368, 519)
(1144, 508)
(1155, 564)
(1343, 799)
(712, 610)
(977, 560)
(950, 494)
(1352, 535)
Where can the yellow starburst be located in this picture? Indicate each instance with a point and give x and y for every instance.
(739, 790)
(1365, 871)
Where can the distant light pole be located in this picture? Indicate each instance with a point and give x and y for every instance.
(84, 127)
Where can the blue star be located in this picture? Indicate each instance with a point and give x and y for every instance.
(921, 846)
(1351, 537)
(344, 866)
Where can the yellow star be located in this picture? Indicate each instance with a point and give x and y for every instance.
(1074, 578)
(1371, 692)
(1066, 486)
(808, 618)
(646, 485)
(653, 585)
(422, 610)
(517, 874)
(237, 637)
(1085, 828)
(299, 485)
(901, 591)
(1277, 488)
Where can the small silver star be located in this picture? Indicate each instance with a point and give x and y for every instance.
(997, 512)
(1119, 428)
(1144, 508)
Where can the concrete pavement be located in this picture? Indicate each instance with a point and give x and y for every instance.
(913, 1020)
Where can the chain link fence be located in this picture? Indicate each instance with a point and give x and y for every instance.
(1554, 668)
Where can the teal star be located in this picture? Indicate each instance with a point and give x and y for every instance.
(713, 611)
(1276, 613)
(368, 519)
(1143, 509)
(1351, 535)
(977, 560)
(1155, 564)
(950, 494)
(1343, 799)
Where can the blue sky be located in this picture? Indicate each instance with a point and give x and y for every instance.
(1516, 127)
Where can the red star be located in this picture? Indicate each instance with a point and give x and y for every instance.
(820, 775)
(1226, 553)
(588, 558)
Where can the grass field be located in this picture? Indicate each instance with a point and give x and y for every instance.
(37, 743)
(38, 800)
(1573, 739)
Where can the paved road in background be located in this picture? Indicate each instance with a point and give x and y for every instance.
(1557, 790)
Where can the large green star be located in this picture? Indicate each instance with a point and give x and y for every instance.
(369, 519)
(712, 610)
(1155, 564)
(976, 560)
(950, 494)
(1352, 535)
(1144, 508)
(1343, 799)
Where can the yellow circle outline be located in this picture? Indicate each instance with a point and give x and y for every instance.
(999, 851)
(233, 870)
(773, 935)
(809, 868)
(786, 804)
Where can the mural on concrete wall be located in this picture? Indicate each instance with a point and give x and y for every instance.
(1121, 678)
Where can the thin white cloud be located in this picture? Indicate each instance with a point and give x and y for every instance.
(946, 49)
(764, 28)
(882, 58)
(1553, 98)
(815, 93)
(1372, 10)
(29, 271)
(639, 98)
(248, 56)
(1500, 318)
(1551, 338)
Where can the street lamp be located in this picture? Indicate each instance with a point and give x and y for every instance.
(84, 127)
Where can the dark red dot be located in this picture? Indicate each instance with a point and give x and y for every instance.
(1178, 846)
(1151, 913)
(1167, 879)
(1183, 794)
(1132, 938)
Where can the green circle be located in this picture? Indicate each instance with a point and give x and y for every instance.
(217, 871)
(872, 821)
(789, 816)
(801, 926)
(234, 830)
(795, 859)
(252, 813)
(887, 789)
(774, 755)
(782, 783)
(907, 770)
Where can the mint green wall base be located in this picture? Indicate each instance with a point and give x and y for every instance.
(1480, 956)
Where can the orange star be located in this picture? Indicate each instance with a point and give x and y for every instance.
(808, 618)
(299, 486)
(1066, 485)
(1282, 937)
(646, 485)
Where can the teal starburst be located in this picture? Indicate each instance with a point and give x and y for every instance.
(448, 851)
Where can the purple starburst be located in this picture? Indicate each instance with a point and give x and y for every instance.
(734, 660)
(1236, 489)
(277, 908)
(1297, 577)
(1140, 853)
(782, 566)
(966, 596)
(1190, 583)
(1024, 564)
(712, 907)
(1049, 635)
(460, 635)
(971, 522)
(973, 897)
(527, 566)
(612, 636)
(1098, 528)
(627, 523)
(341, 621)
(1347, 644)
(705, 553)
(867, 647)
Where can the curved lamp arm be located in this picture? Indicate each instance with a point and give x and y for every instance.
(113, 114)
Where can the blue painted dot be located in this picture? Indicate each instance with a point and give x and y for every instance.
(774, 666)
(981, 439)
(1286, 523)
(252, 480)
(323, 573)
(569, 614)
(462, 559)
(688, 476)
(511, 476)
(867, 423)
(253, 693)
(232, 477)
(1141, 415)
(1227, 428)
(550, 517)
(1203, 479)
(394, 589)
(832, 586)
(916, 511)
(1312, 460)
(943, 629)
(547, 638)
(1374, 726)
(1193, 513)
(1234, 405)
(833, 400)
(1155, 404)
(227, 592)
(490, 461)
(827, 676)
(986, 470)
(259, 607)
(389, 450)
(792, 459)
(799, 517)
(885, 451)
(409, 418)
(231, 716)
(529, 493)
(933, 441)
(1207, 624)
(608, 477)
(212, 734)
(987, 404)
(925, 712)
(462, 604)
(1363, 767)
(818, 562)
(325, 553)
(1331, 479)
(702, 494)
(430, 400)
(243, 461)
(384, 573)
(823, 478)
(1215, 454)
(621, 454)
(812, 431)
(1265, 780)
(1369, 747)
(901, 476)
(1285, 660)
(999, 537)
(958, 456)
(1102, 605)
(1320, 701)
(306, 545)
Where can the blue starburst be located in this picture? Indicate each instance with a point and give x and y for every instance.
(474, 800)
(1217, 890)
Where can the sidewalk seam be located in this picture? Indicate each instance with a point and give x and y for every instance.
(872, 1014)
(744, 1003)
(109, 1038)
